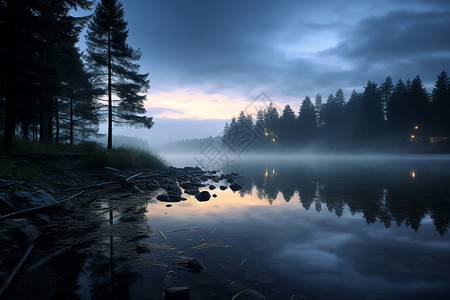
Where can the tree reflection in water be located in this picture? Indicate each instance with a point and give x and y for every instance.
(386, 191)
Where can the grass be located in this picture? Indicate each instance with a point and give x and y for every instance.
(94, 155)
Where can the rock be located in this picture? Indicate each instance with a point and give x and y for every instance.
(168, 205)
(214, 195)
(177, 293)
(173, 189)
(170, 198)
(6, 202)
(39, 198)
(249, 294)
(298, 297)
(223, 187)
(195, 266)
(235, 287)
(212, 187)
(22, 195)
(191, 191)
(30, 233)
(236, 187)
(230, 180)
(16, 223)
(196, 180)
(41, 219)
(203, 196)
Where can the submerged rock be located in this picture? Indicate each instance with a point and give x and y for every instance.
(177, 293)
(298, 297)
(249, 294)
(212, 187)
(173, 189)
(203, 196)
(195, 266)
(223, 187)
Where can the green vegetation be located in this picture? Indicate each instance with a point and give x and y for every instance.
(30, 160)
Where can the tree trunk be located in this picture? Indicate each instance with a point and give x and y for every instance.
(109, 93)
(42, 122)
(71, 121)
(25, 129)
(10, 76)
(57, 120)
(50, 121)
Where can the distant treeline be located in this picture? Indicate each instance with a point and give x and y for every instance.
(49, 90)
(386, 115)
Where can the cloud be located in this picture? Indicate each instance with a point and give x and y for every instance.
(289, 50)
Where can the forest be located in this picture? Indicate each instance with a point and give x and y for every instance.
(400, 116)
(49, 89)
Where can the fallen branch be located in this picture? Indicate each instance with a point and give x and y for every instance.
(91, 186)
(134, 176)
(205, 245)
(46, 259)
(182, 229)
(15, 270)
(243, 262)
(162, 234)
(38, 207)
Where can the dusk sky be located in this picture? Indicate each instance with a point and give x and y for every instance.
(208, 59)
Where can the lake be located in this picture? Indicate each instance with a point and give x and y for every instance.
(331, 227)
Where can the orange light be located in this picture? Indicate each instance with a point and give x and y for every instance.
(266, 174)
(273, 140)
(266, 133)
(413, 136)
(413, 174)
(416, 127)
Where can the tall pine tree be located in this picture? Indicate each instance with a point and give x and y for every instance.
(114, 67)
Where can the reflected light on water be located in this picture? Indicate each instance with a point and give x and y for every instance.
(412, 174)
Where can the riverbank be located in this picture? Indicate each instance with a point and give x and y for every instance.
(44, 223)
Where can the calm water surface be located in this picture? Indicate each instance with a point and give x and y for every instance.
(325, 229)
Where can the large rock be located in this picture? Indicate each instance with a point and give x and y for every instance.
(249, 294)
(170, 198)
(177, 293)
(203, 196)
(173, 189)
(38, 198)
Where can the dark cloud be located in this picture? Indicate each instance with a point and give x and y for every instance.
(241, 45)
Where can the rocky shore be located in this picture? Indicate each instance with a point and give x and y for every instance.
(32, 213)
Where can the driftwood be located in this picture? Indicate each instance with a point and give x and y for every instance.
(91, 186)
(182, 229)
(102, 183)
(243, 262)
(134, 176)
(15, 270)
(38, 207)
(206, 245)
(162, 234)
(46, 259)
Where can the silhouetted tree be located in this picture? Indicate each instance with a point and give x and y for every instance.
(114, 67)
(386, 89)
(307, 120)
(287, 126)
(441, 105)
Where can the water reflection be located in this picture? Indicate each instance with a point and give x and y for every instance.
(385, 192)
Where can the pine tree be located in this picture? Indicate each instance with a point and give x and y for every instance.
(441, 105)
(108, 53)
(386, 89)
